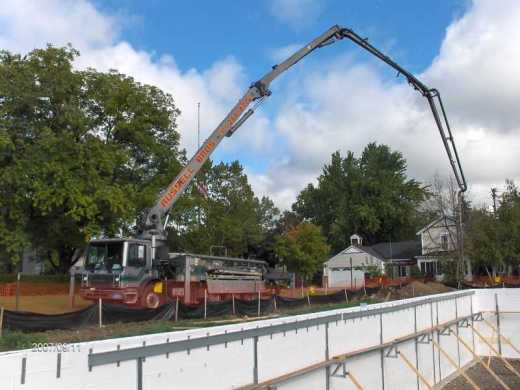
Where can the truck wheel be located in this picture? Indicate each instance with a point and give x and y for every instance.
(150, 299)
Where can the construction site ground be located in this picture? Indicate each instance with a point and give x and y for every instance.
(60, 303)
(484, 379)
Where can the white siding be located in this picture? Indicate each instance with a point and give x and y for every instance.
(359, 259)
(346, 278)
(432, 238)
(337, 269)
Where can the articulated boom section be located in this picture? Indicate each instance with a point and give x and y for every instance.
(238, 115)
(184, 178)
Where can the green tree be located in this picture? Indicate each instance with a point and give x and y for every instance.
(370, 195)
(231, 216)
(303, 249)
(492, 240)
(508, 217)
(483, 241)
(81, 152)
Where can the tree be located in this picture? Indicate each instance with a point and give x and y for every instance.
(483, 241)
(231, 216)
(303, 249)
(508, 217)
(369, 195)
(81, 152)
(493, 239)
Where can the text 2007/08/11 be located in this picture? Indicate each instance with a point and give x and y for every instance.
(55, 347)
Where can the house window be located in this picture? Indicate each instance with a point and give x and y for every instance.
(428, 268)
(444, 241)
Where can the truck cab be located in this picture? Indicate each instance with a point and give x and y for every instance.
(117, 270)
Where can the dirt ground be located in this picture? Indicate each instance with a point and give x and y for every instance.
(44, 304)
(485, 380)
(414, 289)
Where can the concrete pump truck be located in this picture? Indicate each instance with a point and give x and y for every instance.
(142, 272)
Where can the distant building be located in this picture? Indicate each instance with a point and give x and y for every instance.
(32, 264)
(348, 267)
(438, 240)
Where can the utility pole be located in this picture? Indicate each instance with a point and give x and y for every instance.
(460, 266)
(494, 197)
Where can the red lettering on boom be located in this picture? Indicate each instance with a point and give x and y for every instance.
(175, 188)
(206, 150)
(185, 177)
(233, 116)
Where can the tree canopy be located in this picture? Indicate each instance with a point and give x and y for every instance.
(493, 239)
(303, 249)
(80, 152)
(370, 195)
(229, 217)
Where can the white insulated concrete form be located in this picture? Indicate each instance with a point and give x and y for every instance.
(382, 346)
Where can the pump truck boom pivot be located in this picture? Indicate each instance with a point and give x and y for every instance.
(140, 264)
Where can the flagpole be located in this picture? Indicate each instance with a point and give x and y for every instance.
(198, 144)
(198, 125)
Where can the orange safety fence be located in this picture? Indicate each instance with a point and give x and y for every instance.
(7, 290)
(496, 281)
(30, 288)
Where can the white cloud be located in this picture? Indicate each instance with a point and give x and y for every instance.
(25, 25)
(296, 13)
(344, 105)
(337, 105)
(96, 35)
(477, 67)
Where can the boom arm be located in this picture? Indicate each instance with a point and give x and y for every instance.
(434, 100)
(259, 90)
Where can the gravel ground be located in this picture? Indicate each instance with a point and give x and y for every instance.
(484, 379)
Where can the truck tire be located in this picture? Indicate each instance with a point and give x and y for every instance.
(150, 299)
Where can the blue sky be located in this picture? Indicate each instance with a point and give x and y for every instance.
(199, 33)
(339, 98)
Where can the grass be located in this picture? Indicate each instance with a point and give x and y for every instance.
(316, 308)
(44, 304)
(18, 340)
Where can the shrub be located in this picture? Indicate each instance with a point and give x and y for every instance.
(11, 340)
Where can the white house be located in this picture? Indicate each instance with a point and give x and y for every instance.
(348, 267)
(438, 239)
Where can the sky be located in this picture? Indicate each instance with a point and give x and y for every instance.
(338, 98)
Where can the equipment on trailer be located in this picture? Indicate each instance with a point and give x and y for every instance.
(141, 266)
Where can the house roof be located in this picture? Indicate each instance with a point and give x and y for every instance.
(371, 251)
(385, 251)
(397, 250)
(447, 221)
